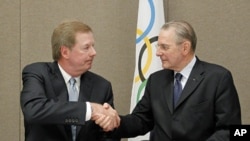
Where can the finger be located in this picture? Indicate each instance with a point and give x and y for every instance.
(100, 119)
(105, 123)
(114, 122)
(118, 120)
(109, 126)
(95, 116)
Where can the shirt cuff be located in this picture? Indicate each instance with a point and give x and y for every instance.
(88, 111)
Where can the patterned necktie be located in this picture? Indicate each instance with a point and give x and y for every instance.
(73, 96)
(177, 88)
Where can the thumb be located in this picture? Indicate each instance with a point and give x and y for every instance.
(106, 106)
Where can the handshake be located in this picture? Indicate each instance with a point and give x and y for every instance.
(105, 116)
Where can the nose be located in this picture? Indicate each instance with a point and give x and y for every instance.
(158, 52)
(93, 52)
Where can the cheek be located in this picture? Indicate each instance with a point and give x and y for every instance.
(170, 58)
(78, 58)
(172, 54)
(168, 55)
(80, 55)
(81, 59)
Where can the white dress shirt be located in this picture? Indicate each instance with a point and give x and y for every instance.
(186, 72)
(66, 78)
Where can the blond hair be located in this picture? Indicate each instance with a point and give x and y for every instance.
(64, 35)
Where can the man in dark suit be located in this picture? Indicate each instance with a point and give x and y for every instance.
(208, 103)
(49, 112)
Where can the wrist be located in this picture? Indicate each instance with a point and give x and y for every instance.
(94, 110)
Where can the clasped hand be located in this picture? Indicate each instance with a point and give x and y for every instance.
(105, 116)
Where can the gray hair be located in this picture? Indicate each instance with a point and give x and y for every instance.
(183, 30)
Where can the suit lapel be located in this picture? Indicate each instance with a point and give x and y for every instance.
(59, 87)
(168, 91)
(194, 80)
(58, 83)
(85, 88)
(85, 92)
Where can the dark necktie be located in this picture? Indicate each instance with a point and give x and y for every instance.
(177, 88)
(73, 96)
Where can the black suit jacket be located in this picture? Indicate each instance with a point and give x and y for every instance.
(47, 112)
(208, 105)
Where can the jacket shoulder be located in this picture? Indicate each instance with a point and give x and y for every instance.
(213, 68)
(95, 77)
(37, 66)
(162, 72)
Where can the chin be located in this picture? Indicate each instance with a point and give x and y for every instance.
(88, 68)
(166, 66)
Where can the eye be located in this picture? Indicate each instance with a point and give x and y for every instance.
(85, 48)
(162, 46)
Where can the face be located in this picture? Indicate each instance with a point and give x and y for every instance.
(81, 56)
(170, 53)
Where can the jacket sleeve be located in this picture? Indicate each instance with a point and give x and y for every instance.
(227, 111)
(40, 104)
(140, 121)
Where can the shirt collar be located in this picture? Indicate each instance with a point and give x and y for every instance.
(67, 77)
(187, 70)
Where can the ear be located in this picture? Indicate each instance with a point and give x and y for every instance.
(186, 47)
(65, 52)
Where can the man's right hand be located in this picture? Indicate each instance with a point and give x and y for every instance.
(105, 116)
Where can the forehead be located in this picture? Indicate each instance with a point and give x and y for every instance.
(166, 35)
(81, 36)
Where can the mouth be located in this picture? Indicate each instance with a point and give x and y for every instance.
(163, 61)
(89, 61)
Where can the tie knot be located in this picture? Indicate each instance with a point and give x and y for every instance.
(72, 81)
(178, 76)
